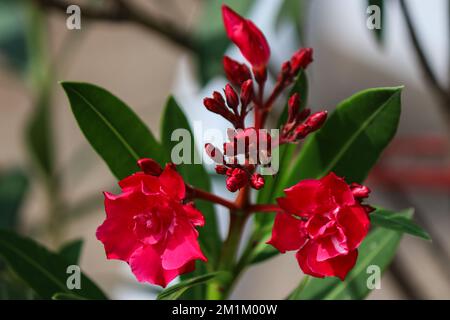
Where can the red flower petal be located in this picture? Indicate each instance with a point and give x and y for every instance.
(355, 222)
(332, 246)
(338, 266)
(339, 189)
(147, 266)
(182, 246)
(116, 232)
(137, 180)
(306, 198)
(287, 233)
(195, 216)
(172, 183)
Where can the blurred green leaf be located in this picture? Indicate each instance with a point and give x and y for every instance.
(71, 251)
(39, 136)
(42, 270)
(112, 128)
(13, 187)
(174, 292)
(211, 37)
(196, 175)
(293, 11)
(378, 249)
(66, 296)
(13, 44)
(398, 222)
(378, 33)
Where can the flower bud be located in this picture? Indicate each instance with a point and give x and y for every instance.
(359, 191)
(236, 180)
(149, 166)
(231, 96)
(212, 105)
(257, 181)
(219, 99)
(301, 59)
(302, 131)
(246, 92)
(247, 37)
(221, 169)
(236, 72)
(293, 106)
(316, 120)
(303, 115)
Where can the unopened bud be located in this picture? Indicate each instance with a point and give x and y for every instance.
(301, 59)
(246, 92)
(236, 180)
(257, 181)
(303, 115)
(231, 96)
(221, 169)
(293, 106)
(316, 120)
(219, 99)
(236, 72)
(359, 191)
(302, 131)
(260, 75)
(149, 166)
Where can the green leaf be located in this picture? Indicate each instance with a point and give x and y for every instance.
(211, 38)
(377, 249)
(66, 296)
(13, 187)
(196, 175)
(43, 270)
(112, 128)
(378, 33)
(352, 139)
(174, 292)
(71, 251)
(39, 135)
(398, 222)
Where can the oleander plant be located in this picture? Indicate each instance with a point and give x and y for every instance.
(298, 185)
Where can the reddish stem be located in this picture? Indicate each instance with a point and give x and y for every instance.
(264, 208)
(194, 193)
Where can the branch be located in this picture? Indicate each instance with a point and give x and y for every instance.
(123, 11)
(426, 68)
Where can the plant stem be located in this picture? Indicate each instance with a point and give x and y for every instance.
(195, 193)
(302, 285)
(238, 219)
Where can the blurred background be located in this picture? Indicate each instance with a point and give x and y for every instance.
(143, 50)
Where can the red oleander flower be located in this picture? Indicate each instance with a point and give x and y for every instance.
(324, 220)
(247, 37)
(150, 227)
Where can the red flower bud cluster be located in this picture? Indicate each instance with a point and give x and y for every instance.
(228, 107)
(300, 123)
(238, 178)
